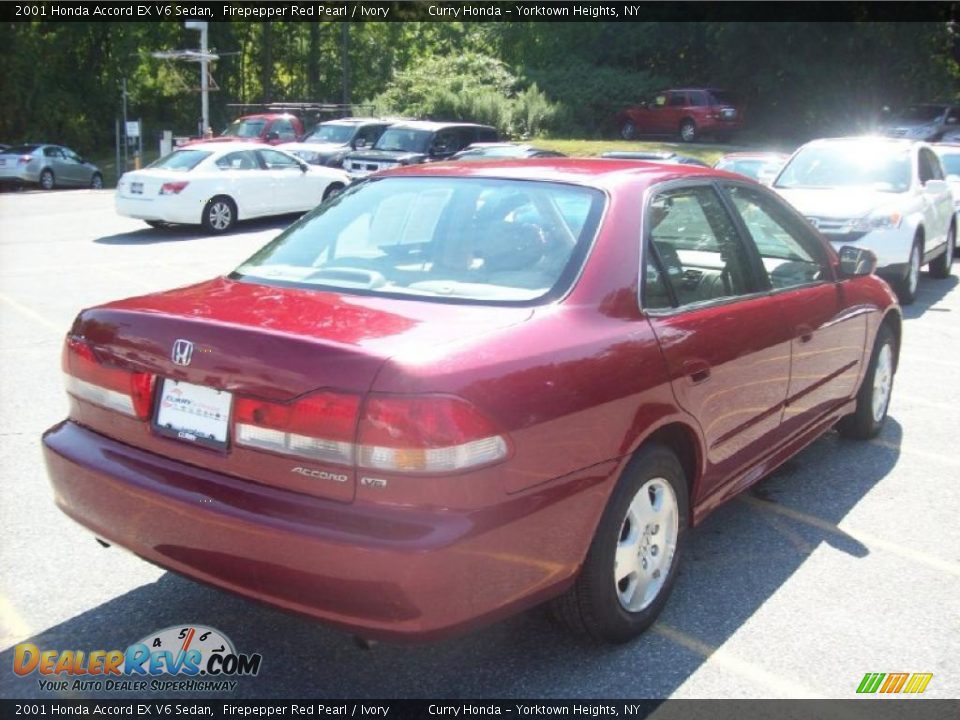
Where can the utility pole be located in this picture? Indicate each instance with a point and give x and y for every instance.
(345, 60)
(126, 141)
(201, 25)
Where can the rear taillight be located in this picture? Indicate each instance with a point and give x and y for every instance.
(24, 159)
(320, 426)
(426, 433)
(173, 188)
(109, 387)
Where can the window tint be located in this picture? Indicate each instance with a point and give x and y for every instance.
(678, 99)
(929, 166)
(697, 99)
(694, 251)
(242, 160)
(274, 160)
(52, 152)
(790, 255)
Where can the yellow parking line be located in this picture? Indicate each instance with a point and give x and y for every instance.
(934, 457)
(13, 626)
(727, 661)
(32, 314)
(870, 541)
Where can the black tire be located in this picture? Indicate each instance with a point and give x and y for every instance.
(867, 421)
(942, 266)
(96, 182)
(333, 189)
(47, 180)
(594, 604)
(628, 131)
(688, 131)
(219, 215)
(907, 286)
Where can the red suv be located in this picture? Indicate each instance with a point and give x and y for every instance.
(272, 128)
(687, 112)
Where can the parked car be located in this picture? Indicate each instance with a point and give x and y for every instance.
(760, 166)
(503, 150)
(463, 389)
(688, 113)
(926, 121)
(269, 128)
(49, 166)
(410, 143)
(652, 156)
(950, 160)
(329, 142)
(216, 184)
(883, 194)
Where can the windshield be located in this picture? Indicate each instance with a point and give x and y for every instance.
(443, 238)
(502, 151)
(921, 113)
(180, 160)
(340, 134)
(245, 128)
(751, 167)
(874, 166)
(405, 140)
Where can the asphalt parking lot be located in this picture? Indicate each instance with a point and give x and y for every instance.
(846, 561)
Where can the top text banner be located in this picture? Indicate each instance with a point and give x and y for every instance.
(477, 11)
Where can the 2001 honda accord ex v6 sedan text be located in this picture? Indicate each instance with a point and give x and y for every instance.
(456, 391)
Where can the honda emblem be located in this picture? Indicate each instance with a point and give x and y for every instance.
(182, 352)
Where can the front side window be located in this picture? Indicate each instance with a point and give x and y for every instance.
(790, 255)
(452, 239)
(694, 253)
(284, 129)
(339, 134)
(403, 139)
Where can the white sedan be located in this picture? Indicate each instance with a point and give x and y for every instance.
(214, 185)
(889, 196)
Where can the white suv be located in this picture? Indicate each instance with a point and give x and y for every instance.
(886, 195)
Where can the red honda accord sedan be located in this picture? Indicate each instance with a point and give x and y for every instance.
(457, 391)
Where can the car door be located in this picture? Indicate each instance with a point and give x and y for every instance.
(241, 176)
(724, 339)
(827, 339)
(292, 190)
(937, 200)
(669, 120)
(73, 168)
(54, 159)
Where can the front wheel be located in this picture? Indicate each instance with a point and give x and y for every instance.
(941, 267)
(219, 215)
(907, 286)
(632, 562)
(333, 189)
(873, 399)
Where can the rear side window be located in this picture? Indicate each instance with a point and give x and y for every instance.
(181, 160)
(678, 99)
(451, 239)
(52, 152)
(694, 253)
(242, 160)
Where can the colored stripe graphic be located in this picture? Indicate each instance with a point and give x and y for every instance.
(870, 682)
(918, 683)
(894, 683)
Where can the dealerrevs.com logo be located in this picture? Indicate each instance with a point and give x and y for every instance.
(202, 658)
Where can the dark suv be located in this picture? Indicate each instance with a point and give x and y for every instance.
(330, 142)
(686, 112)
(410, 143)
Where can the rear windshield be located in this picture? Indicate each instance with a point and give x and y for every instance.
(405, 140)
(874, 166)
(180, 160)
(441, 238)
(21, 150)
(331, 134)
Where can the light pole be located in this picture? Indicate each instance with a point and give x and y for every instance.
(201, 25)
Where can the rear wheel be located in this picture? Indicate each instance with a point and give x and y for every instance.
(628, 131)
(219, 215)
(47, 181)
(907, 286)
(873, 399)
(943, 265)
(632, 562)
(688, 131)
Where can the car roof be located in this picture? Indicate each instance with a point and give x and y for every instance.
(222, 147)
(589, 172)
(264, 116)
(357, 121)
(433, 125)
(868, 140)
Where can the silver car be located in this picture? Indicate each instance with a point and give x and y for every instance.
(48, 166)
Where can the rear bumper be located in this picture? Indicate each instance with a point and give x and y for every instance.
(158, 209)
(384, 572)
(22, 173)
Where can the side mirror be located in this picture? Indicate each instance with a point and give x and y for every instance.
(303, 167)
(856, 262)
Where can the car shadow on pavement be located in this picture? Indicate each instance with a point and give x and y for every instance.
(180, 233)
(930, 292)
(736, 561)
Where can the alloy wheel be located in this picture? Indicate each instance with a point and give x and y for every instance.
(882, 382)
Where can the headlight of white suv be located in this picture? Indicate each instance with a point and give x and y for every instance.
(877, 220)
